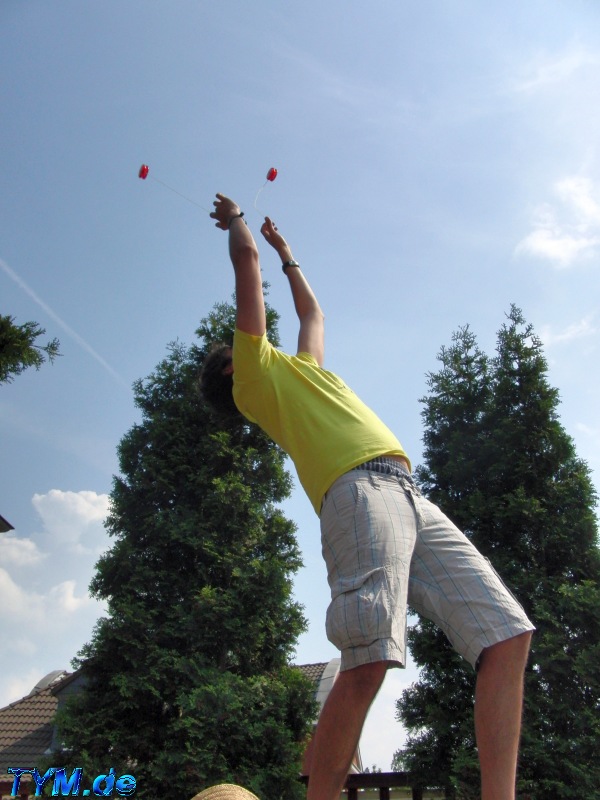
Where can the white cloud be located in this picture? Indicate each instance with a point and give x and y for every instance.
(17, 606)
(591, 433)
(62, 598)
(18, 552)
(55, 591)
(548, 70)
(46, 616)
(19, 685)
(74, 519)
(554, 244)
(578, 330)
(567, 231)
(23, 608)
(578, 192)
(23, 647)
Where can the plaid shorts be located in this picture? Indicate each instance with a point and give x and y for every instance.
(386, 546)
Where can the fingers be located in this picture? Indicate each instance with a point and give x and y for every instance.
(268, 226)
(221, 199)
(219, 223)
(225, 208)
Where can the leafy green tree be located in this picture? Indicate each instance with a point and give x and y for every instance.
(18, 349)
(499, 462)
(189, 680)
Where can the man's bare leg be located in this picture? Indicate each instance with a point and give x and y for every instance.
(498, 708)
(339, 728)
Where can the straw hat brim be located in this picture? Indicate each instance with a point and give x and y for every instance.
(225, 791)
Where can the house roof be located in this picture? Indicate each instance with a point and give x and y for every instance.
(5, 525)
(26, 728)
(313, 671)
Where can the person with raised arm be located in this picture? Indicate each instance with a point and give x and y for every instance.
(385, 545)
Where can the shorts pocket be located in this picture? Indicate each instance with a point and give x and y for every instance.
(360, 613)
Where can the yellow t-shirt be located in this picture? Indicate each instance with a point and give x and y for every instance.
(309, 412)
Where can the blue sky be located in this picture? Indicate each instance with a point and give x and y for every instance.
(437, 162)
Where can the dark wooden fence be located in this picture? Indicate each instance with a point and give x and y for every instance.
(384, 781)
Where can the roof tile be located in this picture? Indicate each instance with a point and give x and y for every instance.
(26, 730)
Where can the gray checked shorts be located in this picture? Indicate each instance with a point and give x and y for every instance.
(386, 546)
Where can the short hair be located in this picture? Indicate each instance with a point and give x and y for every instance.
(216, 387)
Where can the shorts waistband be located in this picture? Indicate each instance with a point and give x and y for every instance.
(387, 466)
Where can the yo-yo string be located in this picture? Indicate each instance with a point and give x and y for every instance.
(189, 199)
(258, 193)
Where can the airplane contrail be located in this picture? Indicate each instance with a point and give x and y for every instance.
(67, 328)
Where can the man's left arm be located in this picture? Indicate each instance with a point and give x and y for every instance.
(311, 338)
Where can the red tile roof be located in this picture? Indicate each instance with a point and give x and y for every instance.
(26, 729)
(313, 671)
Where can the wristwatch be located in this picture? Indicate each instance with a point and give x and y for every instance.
(290, 263)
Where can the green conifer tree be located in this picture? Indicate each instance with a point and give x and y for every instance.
(499, 462)
(18, 348)
(188, 677)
